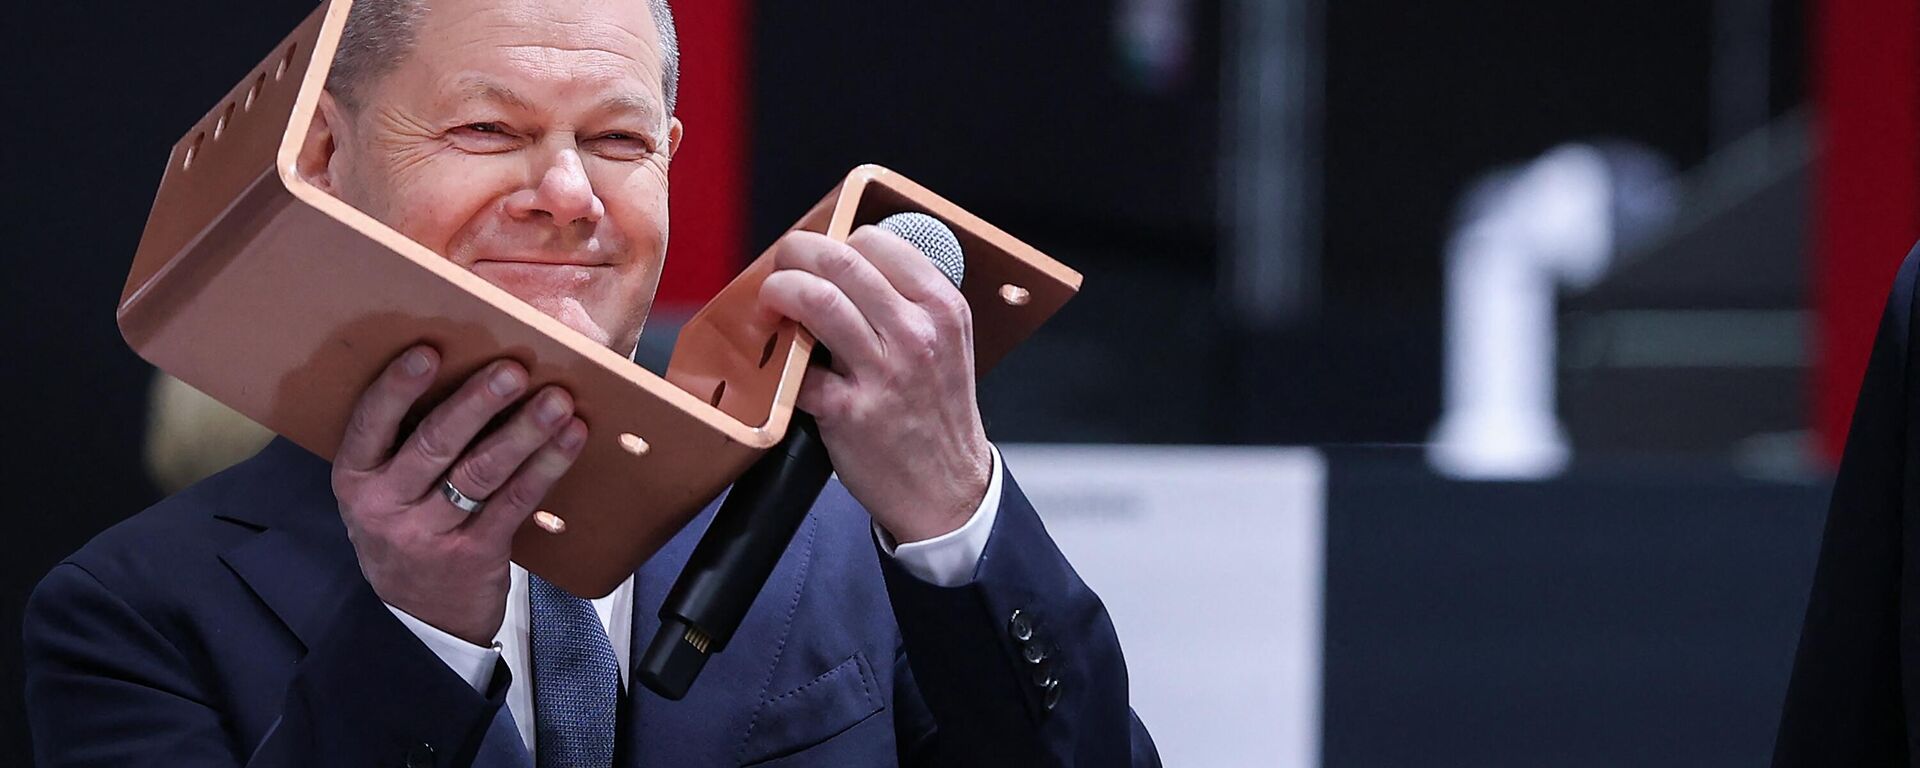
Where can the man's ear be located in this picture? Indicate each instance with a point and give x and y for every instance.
(318, 162)
(674, 131)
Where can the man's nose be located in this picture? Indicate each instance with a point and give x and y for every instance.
(562, 193)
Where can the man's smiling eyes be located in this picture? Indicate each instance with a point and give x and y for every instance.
(495, 137)
(621, 145)
(485, 138)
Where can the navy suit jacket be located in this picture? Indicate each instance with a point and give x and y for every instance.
(1854, 698)
(230, 625)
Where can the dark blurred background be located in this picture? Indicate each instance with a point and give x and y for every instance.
(1260, 195)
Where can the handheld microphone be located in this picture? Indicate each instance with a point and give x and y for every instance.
(755, 524)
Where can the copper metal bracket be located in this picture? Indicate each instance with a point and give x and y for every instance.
(283, 302)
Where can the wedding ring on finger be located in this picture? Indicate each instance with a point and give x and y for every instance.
(456, 498)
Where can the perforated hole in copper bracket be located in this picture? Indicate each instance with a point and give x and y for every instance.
(632, 443)
(253, 92)
(549, 522)
(285, 61)
(1014, 296)
(220, 126)
(766, 354)
(193, 151)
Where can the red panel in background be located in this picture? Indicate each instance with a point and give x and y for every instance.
(708, 176)
(1867, 187)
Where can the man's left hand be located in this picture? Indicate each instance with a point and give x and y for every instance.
(897, 411)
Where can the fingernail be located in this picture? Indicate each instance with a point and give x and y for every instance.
(505, 382)
(552, 408)
(571, 438)
(414, 362)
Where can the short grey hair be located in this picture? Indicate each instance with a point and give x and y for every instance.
(380, 33)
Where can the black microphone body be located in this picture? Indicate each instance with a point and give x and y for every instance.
(757, 521)
(735, 556)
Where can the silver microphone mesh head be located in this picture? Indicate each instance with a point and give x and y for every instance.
(933, 239)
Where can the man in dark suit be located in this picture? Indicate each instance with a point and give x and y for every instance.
(1854, 697)
(365, 612)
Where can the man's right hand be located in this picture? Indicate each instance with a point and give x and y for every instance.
(422, 554)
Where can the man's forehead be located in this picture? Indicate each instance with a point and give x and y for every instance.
(630, 21)
(609, 46)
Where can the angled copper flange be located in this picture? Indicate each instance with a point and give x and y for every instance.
(283, 302)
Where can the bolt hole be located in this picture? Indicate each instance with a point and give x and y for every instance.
(631, 443)
(220, 126)
(766, 354)
(254, 92)
(549, 522)
(285, 61)
(719, 391)
(193, 151)
(1015, 296)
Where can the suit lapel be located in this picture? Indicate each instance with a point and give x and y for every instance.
(502, 747)
(302, 584)
(650, 586)
(656, 576)
(301, 564)
(711, 724)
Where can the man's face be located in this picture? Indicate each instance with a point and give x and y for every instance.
(528, 141)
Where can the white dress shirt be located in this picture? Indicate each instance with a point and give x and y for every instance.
(948, 560)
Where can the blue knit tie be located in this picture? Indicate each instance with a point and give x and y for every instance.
(576, 681)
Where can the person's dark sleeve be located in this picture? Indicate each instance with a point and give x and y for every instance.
(1844, 704)
(105, 688)
(969, 693)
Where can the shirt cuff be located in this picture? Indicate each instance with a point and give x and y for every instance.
(950, 559)
(473, 663)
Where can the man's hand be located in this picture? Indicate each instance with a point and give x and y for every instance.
(897, 412)
(422, 554)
